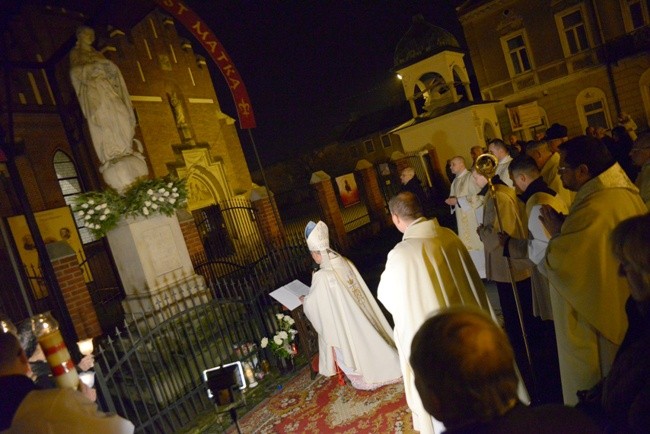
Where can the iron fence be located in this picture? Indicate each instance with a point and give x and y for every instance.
(150, 370)
(104, 286)
(230, 232)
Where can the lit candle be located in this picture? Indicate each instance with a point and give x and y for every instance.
(250, 375)
(46, 330)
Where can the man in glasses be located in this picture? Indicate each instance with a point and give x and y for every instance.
(589, 313)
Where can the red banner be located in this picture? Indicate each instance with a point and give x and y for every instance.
(203, 34)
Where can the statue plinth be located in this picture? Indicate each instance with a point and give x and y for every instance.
(154, 265)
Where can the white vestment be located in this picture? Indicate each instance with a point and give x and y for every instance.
(348, 321)
(534, 248)
(341, 324)
(464, 189)
(64, 411)
(428, 270)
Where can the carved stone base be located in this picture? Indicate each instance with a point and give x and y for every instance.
(154, 266)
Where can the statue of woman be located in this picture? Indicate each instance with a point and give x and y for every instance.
(103, 98)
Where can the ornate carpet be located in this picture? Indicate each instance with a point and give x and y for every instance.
(322, 406)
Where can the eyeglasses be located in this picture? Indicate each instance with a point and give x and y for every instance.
(562, 169)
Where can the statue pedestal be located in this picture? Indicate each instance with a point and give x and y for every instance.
(155, 267)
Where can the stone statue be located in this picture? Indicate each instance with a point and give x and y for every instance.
(105, 102)
(177, 107)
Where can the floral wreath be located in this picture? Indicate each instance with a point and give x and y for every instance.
(102, 210)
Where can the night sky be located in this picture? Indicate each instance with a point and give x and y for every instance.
(310, 66)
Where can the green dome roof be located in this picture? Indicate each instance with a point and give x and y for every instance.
(421, 41)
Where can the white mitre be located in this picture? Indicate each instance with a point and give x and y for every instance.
(318, 237)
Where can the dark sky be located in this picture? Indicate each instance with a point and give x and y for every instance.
(310, 65)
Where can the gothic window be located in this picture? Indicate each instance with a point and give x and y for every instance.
(572, 27)
(66, 174)
(517, 54)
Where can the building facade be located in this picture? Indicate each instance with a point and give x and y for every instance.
(577, 63)
(46, 140)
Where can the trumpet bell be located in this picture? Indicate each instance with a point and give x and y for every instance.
(486, 165)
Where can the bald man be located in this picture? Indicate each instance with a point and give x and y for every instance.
(463, 200)
(465, 375)
(411, 182)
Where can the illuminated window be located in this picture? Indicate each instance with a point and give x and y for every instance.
(70, 187)
(517, 54)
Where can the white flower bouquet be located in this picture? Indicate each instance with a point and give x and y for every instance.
(280, 344)
(102, 210)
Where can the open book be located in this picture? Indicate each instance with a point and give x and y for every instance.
(289, 294)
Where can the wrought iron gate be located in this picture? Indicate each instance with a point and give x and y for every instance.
(230, 232)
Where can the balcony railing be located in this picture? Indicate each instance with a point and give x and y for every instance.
(541, 75)
(625, 46)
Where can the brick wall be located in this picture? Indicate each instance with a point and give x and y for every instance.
(331, 212)
(74, 290)
(270, 224)
(374, 196)
(190, 234)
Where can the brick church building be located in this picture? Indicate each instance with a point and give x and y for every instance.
(47, 157)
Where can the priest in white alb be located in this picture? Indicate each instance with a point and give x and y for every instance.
(463, 198)
(352, 331)
(428, 270)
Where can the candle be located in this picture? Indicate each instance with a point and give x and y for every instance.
(250, 375)
(49, 337)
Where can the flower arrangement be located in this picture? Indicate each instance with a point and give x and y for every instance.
(101, 210)
(281, 342)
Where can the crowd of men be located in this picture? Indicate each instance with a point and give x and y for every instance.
(539, 227)
(560, 229)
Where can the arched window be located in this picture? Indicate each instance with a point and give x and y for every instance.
(66, 174)
(592, 108)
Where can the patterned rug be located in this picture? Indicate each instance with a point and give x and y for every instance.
(322, 406)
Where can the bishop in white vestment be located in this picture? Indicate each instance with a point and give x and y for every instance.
(352, 331)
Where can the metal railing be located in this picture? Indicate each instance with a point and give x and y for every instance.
(541, 75)
(150, 371)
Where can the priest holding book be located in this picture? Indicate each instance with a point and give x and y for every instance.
(352, 331)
